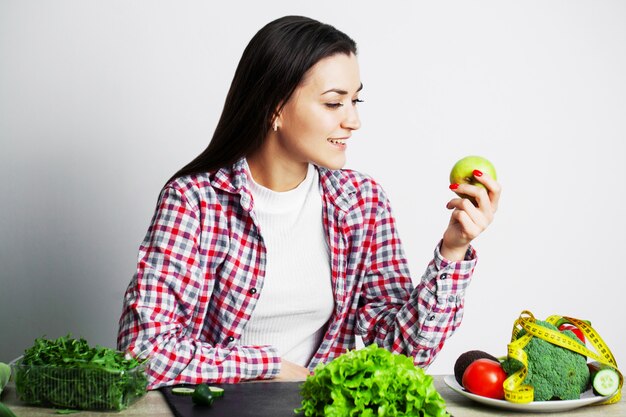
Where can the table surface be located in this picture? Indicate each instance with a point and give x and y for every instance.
(153, 404)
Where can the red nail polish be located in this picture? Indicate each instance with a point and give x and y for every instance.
(454, 186)
(477, 173)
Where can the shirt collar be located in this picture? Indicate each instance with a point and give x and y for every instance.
(337, 186)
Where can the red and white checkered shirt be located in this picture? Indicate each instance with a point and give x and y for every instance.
(201, 268)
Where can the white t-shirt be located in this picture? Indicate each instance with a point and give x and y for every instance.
(296, 300)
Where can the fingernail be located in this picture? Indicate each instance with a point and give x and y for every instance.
(454, 186)
(477, 173)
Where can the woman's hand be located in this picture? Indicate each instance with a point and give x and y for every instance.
(468, 220)
(290, 371)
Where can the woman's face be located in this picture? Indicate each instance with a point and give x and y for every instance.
(317, 121)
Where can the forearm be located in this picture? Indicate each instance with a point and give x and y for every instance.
(192, 362)
(177, 360)
(433, 311)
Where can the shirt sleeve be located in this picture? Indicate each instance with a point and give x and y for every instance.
(415, 321)
(166, 305)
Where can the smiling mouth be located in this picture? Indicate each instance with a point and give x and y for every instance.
(337, 141)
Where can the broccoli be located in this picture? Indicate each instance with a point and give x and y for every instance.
(554, 372)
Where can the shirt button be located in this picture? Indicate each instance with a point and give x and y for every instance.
(452, 298)
(231, 339)
(444, 276)
(252, 291)
(431, 318)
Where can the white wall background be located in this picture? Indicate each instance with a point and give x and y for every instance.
(100, 102)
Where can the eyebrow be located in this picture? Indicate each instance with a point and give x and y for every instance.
(341, 92)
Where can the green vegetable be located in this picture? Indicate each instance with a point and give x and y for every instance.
(370, 382)
(202, 395)
(217, 392)
(604, 379)
(5, 374)
(6, 411)
(182, 391)
(68, 373)
(554, 372)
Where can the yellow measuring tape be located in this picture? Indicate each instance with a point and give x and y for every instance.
(514, 388)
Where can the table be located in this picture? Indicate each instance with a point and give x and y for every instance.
(153, 404)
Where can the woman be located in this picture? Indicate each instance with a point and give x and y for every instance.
(264, 258)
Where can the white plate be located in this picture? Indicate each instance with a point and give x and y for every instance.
(586, 398)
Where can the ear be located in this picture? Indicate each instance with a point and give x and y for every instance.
(277, 118)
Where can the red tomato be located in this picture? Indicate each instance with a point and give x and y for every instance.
(484, 377)
(576, 330)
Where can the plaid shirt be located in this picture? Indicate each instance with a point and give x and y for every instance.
(201, 268)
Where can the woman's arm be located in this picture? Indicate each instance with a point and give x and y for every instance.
(167, 303)
(418, 321)
(415, 321)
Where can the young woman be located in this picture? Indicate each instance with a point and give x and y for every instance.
(265, 258)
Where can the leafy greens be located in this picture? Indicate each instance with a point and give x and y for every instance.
(370, 382)
(68, 373)
(5, 374)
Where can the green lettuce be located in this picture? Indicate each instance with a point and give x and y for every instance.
(370, 382)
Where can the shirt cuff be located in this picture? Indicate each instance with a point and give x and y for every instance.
(453, 277)
(262, 362)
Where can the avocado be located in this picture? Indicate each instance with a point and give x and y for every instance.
(464, 360)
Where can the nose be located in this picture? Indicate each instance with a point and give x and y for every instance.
(351, 120)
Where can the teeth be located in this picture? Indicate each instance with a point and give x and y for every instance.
(337, 141)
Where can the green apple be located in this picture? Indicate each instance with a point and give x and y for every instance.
(463, 171)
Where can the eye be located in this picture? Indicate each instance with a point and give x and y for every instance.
(337, 105)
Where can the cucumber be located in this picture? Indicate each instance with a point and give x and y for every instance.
(202, 396)
(216, 391)
(604, 379)
(187, 391)
(182, 391)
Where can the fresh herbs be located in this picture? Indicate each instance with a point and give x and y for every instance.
(371, 382)
(68, 373)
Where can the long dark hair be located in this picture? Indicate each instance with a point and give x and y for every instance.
(270, 69)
